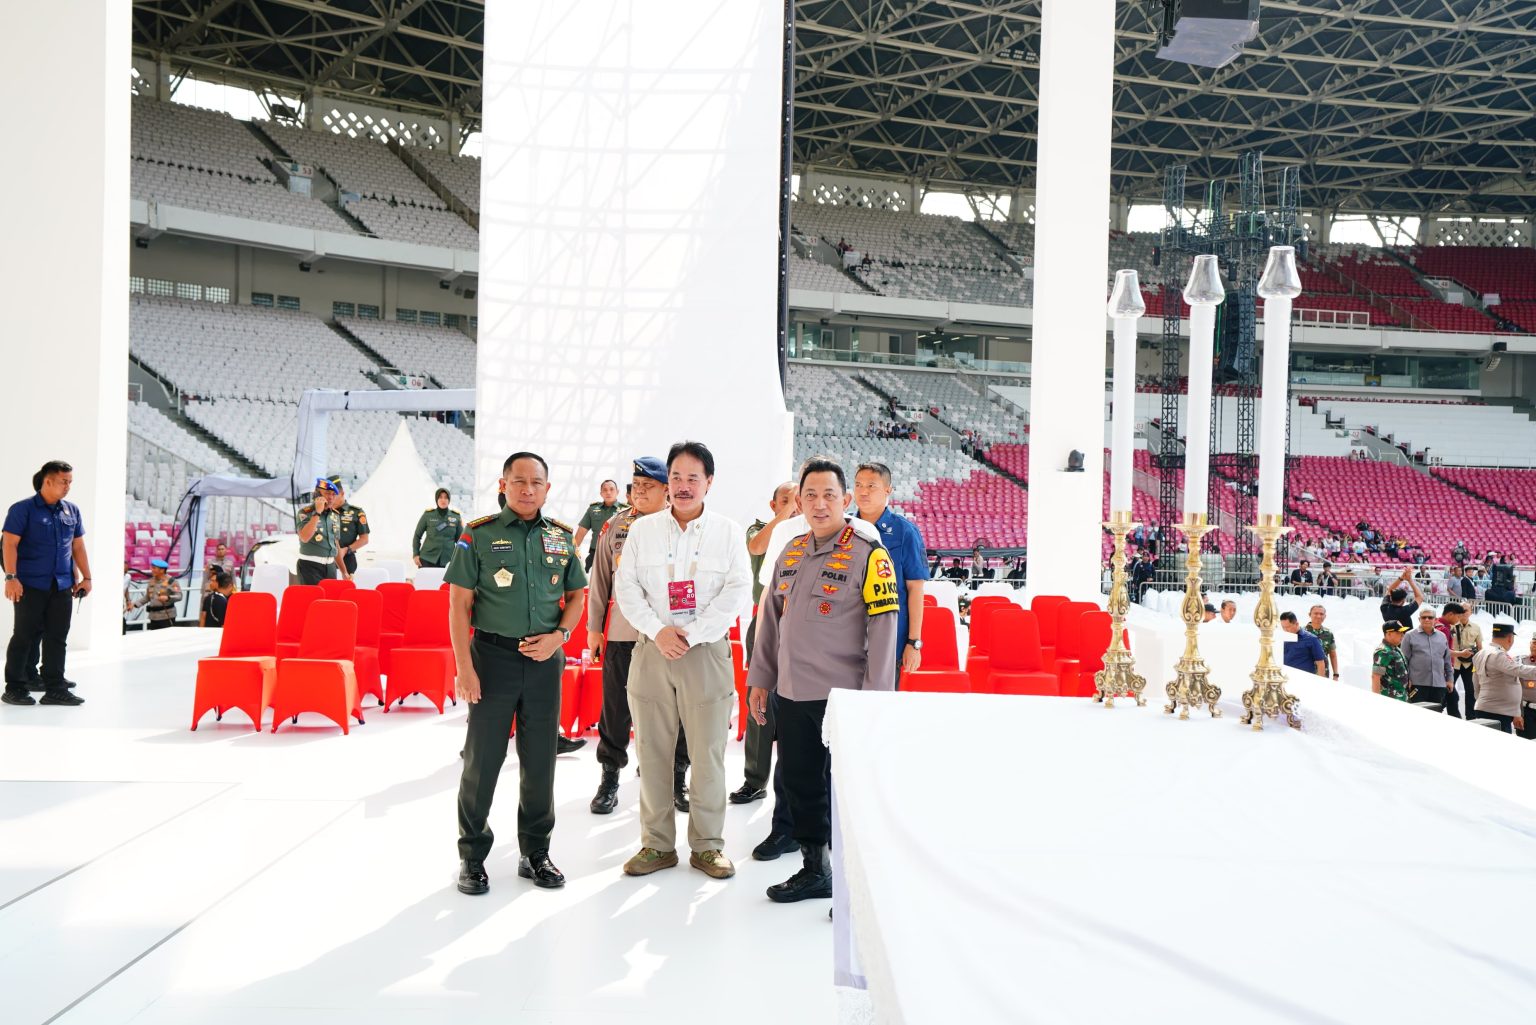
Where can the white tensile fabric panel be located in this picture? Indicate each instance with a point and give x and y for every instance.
(629, 225)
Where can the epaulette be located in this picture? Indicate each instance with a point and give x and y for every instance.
(454, 511)
(306, 510)
(482, 521)
(563, 526)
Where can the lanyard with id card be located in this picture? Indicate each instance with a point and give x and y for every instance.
(682, 595)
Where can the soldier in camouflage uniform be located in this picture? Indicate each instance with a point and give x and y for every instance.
(1389, 669)
(1316, 628)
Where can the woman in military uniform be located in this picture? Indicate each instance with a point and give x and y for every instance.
(436, 531)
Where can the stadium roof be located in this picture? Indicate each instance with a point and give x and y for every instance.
(1388, 105)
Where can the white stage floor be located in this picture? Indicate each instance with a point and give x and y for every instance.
(155, 875)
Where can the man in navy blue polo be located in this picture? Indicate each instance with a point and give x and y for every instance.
(872, 495)
(45, 564)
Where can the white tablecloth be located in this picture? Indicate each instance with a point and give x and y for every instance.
(1093, 865)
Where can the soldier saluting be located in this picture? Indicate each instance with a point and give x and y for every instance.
(318, 528)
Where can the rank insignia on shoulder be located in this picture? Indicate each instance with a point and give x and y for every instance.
(845, 537)
(562, 526)
(480, 522)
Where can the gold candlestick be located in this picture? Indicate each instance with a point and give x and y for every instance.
(1192, 686)
(1119, 676)
(1268, 695)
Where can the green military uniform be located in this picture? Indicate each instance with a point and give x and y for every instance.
(436, 531)
(519, 570)
(317, 556)
(593, 519)
(1324, 637)
(759, 747)
(351, 524)
(1389, 664)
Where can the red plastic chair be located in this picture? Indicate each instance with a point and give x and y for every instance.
(365, 660)
(397, 598)
(589, 698)
(245, 670)
(1068, 641)
(739, 675)
(977, 662)
(423, 664)
(578, 639)
(321, 678)
(292, 614)
(941, 670)
(1016, 657)
(929, 601)
(1047, 607)
(570, 697)
(336, 590)
(1093, 632)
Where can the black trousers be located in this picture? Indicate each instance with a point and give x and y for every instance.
(511, 684)
(314, 572)
(759, 749)
(160, 624)
(1528, 716)
(350, 561)
(1467, 694)
(615, 722)
(1506, 722)
(41, 624)
(1435, 695)
(807, 768)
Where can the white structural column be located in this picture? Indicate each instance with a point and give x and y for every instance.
(64, 279)
(629, 232)
(1072, 199)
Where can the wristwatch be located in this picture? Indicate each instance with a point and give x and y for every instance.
(9, 577)
(565, 633)
(916, 642)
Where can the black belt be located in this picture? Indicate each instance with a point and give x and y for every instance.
(497, 640)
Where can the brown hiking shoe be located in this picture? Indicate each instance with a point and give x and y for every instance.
(648, 860)
(712, 863)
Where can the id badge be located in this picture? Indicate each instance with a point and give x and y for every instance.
(680, 598)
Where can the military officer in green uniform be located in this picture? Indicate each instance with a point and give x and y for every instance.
(1324, 635)
(1389, 669)
(597, 514)
(436, 531)
(318, 527)
(509, 574)
(351, 526)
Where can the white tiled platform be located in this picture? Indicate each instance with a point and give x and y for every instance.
(156, 875)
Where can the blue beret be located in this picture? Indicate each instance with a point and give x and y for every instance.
(159, 564)
(650, 466)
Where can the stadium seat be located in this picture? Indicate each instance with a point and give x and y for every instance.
(941, 657)
(428, 578)
(321, 678)
(244, 672)
(336, 590)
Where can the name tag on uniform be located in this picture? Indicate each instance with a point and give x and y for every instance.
(503, 577)
(681, 598)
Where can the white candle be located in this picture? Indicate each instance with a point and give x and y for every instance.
(1203, 293)
(1197, 428)
(1126, 307)
(1279, 286)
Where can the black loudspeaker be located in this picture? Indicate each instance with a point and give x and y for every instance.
(1503, 577)
(1210, 33)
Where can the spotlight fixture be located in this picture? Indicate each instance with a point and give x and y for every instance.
(1075, 462)
(304, 266)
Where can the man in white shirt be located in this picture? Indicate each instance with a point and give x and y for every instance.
(684, 579)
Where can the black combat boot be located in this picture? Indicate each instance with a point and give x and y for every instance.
(607, 797)
(813, 880)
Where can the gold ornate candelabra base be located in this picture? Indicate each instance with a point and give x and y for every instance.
(1118, 678)
(1268, 695)
(1191, 686)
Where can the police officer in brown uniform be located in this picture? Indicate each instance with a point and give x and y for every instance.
(828, 621)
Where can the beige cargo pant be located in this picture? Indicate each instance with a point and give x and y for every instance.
(697, 690)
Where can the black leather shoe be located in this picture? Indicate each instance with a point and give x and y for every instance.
(541, 870)
(607, 797)
(565, 745)
(775, 845)
(472, 878)
(680, 791)
(812, 881)
(17, 697)
(746, 794)
(61, 697)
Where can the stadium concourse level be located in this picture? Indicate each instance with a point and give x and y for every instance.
(238, 372)
(207, 160)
